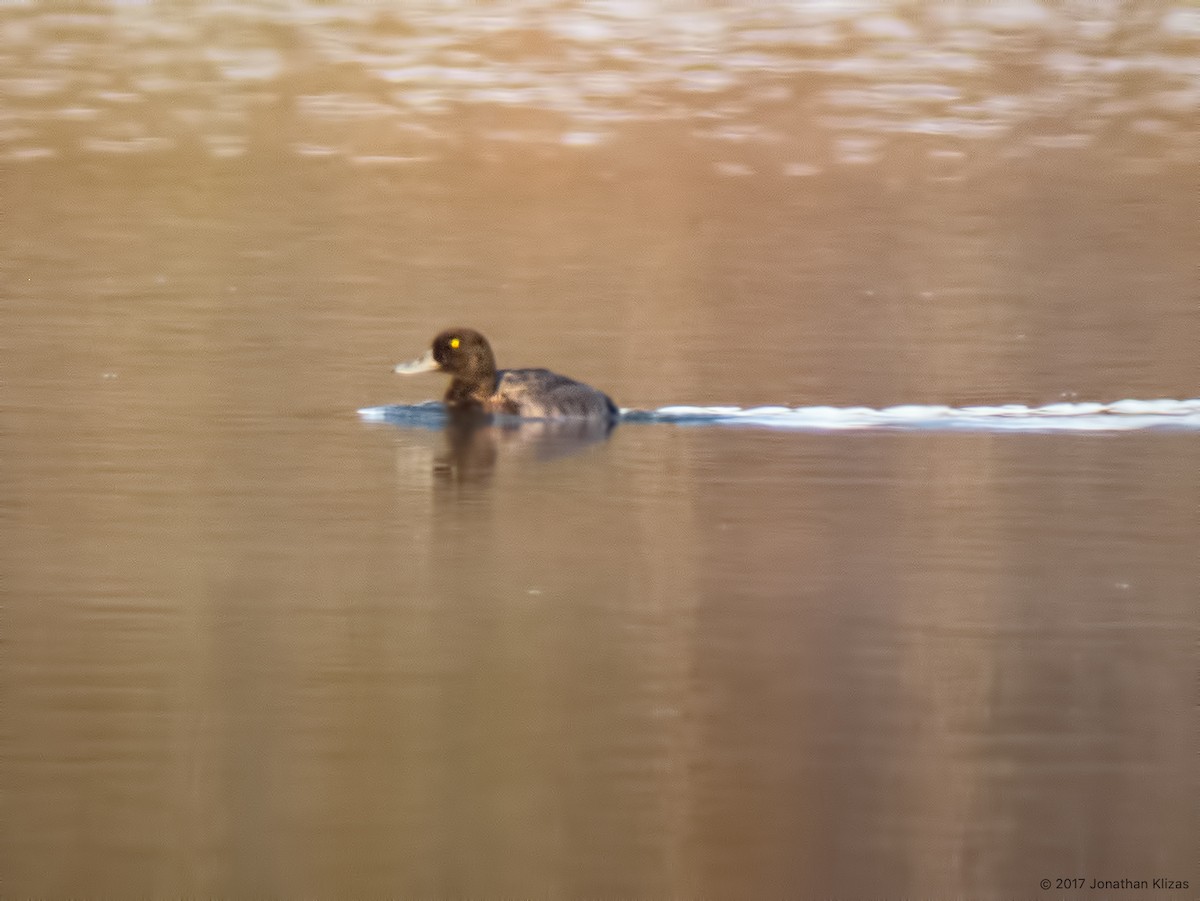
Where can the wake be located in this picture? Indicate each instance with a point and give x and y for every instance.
(1119, 416)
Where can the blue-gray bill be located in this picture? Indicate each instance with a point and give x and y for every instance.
(424, 363)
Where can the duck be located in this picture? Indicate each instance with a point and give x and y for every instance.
(478, 387)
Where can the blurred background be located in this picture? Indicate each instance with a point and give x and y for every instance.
(256, 647)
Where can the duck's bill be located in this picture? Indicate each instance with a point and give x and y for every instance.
(422, 364)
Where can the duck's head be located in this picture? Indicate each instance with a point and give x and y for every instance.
(460, 352)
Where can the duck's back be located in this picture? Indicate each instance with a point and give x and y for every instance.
(542, 394)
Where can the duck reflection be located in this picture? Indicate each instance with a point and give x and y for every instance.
(474, 443)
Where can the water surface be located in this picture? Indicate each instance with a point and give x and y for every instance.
(255, 645)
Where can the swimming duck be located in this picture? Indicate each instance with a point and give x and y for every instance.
(478, 387)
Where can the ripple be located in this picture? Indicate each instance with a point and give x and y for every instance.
(127, 146)
(341, 107)
(34, 87)
(76, 113)
(226, 146)
(596, 65)
(1119, 416)
(28, 154)
(582, 138)
(1183, 23)
(733, 170)
(706, 81)
(388, 160)
(317, 150)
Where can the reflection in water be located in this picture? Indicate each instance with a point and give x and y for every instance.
(470, 453)
(475, 442)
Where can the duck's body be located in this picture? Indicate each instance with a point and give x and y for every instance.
(478, 387)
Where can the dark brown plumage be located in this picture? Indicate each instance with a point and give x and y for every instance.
(477, 386)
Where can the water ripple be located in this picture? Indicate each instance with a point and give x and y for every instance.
(871, 69)
(1118, 416)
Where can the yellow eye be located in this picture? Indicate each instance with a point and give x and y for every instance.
(454, 342)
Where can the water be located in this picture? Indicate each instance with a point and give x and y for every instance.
(921, 624)
(1086, 417)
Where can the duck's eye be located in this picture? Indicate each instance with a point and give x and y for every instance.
(454, 342)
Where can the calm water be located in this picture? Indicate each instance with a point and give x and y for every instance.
(256, 646)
